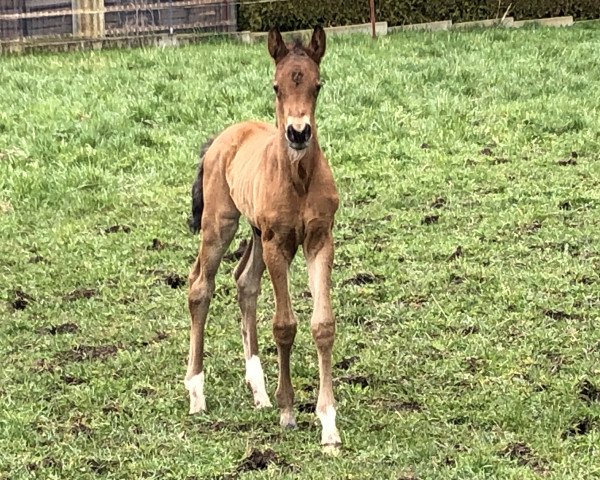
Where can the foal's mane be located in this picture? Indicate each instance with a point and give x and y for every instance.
(297, 47)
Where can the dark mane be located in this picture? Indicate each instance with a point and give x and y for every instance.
(297, 47)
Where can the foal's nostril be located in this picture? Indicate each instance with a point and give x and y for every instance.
(299, 137)
(306, 133)
(290, 133)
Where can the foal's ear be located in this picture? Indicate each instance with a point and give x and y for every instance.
(316, 49)
(277, 48)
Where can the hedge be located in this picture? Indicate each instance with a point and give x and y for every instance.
(300, 14)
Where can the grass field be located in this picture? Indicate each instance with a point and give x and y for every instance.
(466, 281)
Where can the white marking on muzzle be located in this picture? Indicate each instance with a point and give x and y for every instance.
(298, 123)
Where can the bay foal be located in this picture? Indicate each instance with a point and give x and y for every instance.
(278, 178)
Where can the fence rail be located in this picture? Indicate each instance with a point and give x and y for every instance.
(89, 19)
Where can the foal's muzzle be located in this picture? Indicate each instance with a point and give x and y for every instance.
(297, 139)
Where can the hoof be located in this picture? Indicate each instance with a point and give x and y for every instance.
(331, 438)
(333, 450)
(262, 401)
(287, 420)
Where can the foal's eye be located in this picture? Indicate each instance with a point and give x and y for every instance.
(276, 89)
(318, 88)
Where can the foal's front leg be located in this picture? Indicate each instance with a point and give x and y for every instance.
(278, 255)
(318, 250)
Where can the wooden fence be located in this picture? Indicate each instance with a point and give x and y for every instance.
(91, 19)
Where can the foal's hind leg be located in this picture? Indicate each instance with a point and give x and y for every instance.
(247, 277)
(217, 233)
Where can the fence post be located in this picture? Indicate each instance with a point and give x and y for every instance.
(88, 18)
(373, 21)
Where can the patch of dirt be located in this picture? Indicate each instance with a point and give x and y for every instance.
(474, 364)
(376, 427)
(111, 407)
(532, 227)
(37, 259)
(456, 254)
(449, 461)
(158, 337)
(368, 197)
(500, 161)
(145, 391)
(559, 315)
(439, 202)
(71, 380)
(470, 330)
(359, 380)
(487, 151)
(260, 460)
(21, 300)
(80, 293)
(362, 279)
(79, 427)
(156, 245)
(174, 280)
(572, 160)
(117, 228)
(556, 361)
(360, 320)
(81, 353)
(524, 455)
(269, 350)
(307, 407)
(346, 363)
(43, 365)
(306, 294)
(220, 426)
(415, 302)
(566, 205)
(588, 391)
(456, 279)
(47, 462)
(430, 219)
(238, 253)
(582, 426)
(425, 146)
(584, 280)
(60, 329)
(407, 406)
(101, 467)
(460, 420)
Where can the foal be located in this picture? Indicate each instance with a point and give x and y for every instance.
(278, 178)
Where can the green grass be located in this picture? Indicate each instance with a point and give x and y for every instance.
(459, 368)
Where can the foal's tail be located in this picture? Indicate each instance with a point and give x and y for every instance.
(195, 220)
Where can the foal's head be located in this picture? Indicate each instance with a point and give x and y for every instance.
(297, 84)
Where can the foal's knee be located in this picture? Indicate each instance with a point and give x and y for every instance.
(246, 288)
(284, 333)
(201, 291)
(323, 333)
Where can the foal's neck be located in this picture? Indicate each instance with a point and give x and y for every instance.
(298, 163)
